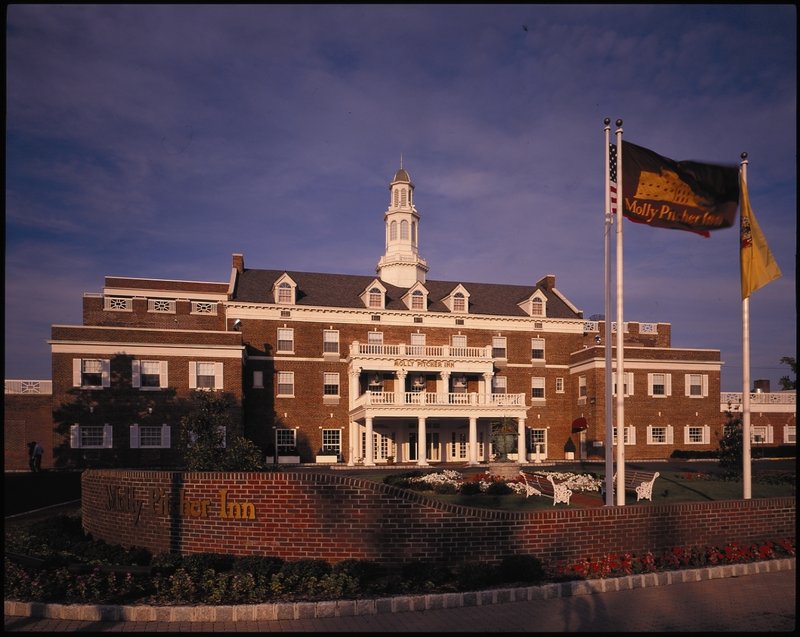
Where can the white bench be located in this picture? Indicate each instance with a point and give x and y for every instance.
(639, 482)
(545, 485)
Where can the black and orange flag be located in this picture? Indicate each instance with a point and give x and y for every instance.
(683, 195)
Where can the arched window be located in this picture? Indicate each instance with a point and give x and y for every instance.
(403, 197)
(414, 233)
(417, 300)
(396, 197)
(375, 298)
(404, 230)
(393, 231)
(537, 307)
(459, 302)
(284, 293)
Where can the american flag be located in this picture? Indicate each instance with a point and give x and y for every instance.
(612, 176)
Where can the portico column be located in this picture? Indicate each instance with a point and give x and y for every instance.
(521, 459)
(422, 446)
(400, 387)
(369, 459)
(444, 388)
(351, 459)
(473, 440)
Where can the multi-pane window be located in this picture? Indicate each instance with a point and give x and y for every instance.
(417, 347)
(537, 437)
(537, 307)
(537, 387)
(696, 435)
(627, 384)
(499, 384)
(91, 372)
(285, 293)
(404, 226)
(628, 433)
(285, 383)
(582, 387)
(458, 345)
(375, 338)
(417, 300)
(498, 347)
(459, 302)
(330, 384)
(659, 434)
(330, 341)
(149, 374)
(91, 436)
(660, 384)
(153, 436)
(790, 434)
(206, 375)
(537, 348)
(332, 441)
(393, 226)
(375, 297)
(285, 339)
(559, 385)
(697, 385)
(286, 440)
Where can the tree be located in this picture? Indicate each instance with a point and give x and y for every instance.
(785, 381)
(731, 445)
(207, 440)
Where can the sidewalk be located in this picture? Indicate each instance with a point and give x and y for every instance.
(755, 597)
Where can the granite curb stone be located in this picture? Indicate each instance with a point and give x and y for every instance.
(399, 604)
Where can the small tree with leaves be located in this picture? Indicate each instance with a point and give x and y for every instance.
(205, 430)
(731, 449)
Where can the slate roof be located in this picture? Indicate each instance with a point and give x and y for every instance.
(344, 291)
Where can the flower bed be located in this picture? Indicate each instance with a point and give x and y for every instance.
(449, 481)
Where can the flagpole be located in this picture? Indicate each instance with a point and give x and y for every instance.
(746, 477)
(609, 416)
(620, 491)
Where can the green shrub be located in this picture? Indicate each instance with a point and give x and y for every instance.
(470, 488)
(258, 565)
(521, 568)
(199, 562)
(499, 488)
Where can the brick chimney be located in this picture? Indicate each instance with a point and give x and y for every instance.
(238, 263)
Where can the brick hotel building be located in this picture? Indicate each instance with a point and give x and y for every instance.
(365, 370)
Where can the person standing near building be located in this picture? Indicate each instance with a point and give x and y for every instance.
(31, 463)
(38, 451)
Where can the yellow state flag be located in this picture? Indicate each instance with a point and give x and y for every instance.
(757, 263)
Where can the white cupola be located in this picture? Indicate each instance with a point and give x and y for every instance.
(401, 264)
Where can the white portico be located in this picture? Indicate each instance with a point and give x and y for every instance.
(424, 404)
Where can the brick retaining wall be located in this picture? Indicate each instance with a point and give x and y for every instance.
(335, 517)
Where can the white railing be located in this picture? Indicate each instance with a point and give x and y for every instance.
(420, 351)
(434, 398)
(29, 386)
(760, 398)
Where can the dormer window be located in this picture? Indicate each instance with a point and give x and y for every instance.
(416, 298)
(458, 301)
(284, 291)
(535, 305)
(374, 296)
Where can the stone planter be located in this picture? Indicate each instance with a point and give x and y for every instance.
(505, 442)
(288, 459)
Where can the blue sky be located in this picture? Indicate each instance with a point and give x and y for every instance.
(157, 140)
